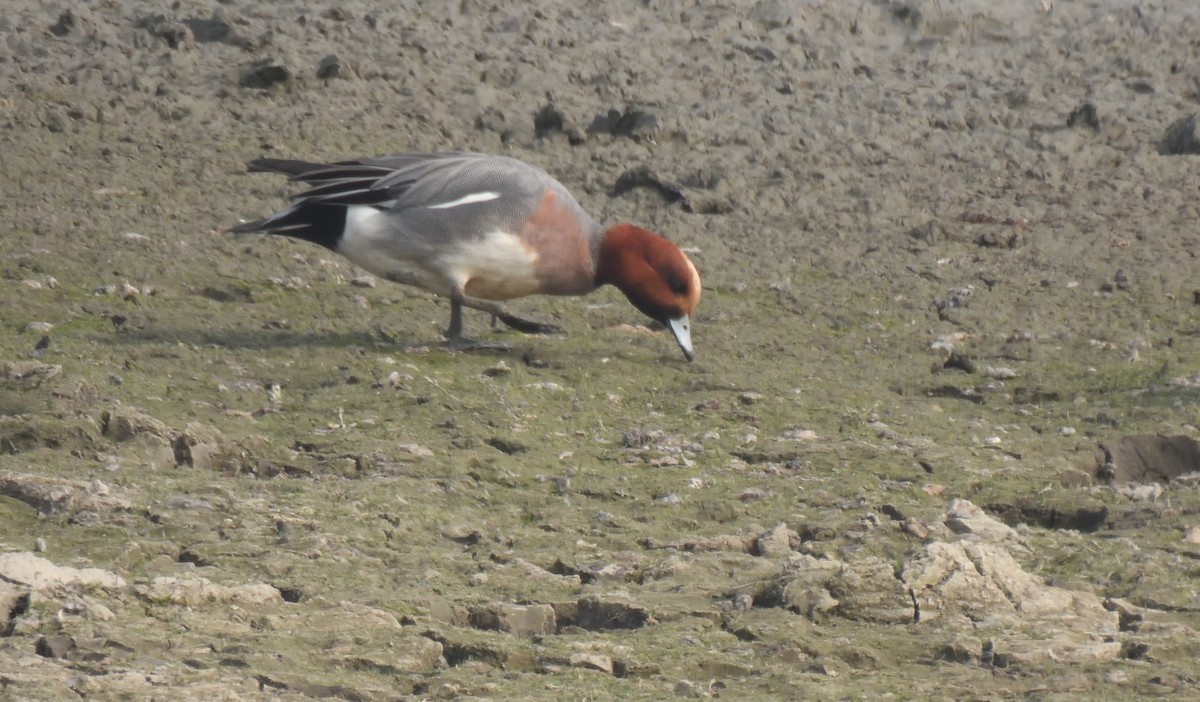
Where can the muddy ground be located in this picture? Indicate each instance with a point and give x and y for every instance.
(938, 442)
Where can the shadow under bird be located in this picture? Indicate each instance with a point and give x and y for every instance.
(474, 228)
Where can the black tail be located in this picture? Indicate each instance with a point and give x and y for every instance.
(285, 166)
(319, 223)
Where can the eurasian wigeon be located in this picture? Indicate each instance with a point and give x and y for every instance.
(473, 227)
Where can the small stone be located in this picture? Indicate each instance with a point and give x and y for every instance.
(1183, 136)
(363, 281)
(501, 368)
(750, 398)
(39, 327)
(331, 67)
(1066, 431)
(671, 499)
(1192, 535)
(33, 284)
(128, 292)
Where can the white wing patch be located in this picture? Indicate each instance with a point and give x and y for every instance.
(466, 200)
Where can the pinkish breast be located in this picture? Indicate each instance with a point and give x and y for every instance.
(554, 233)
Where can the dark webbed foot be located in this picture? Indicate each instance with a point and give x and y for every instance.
(454, 333)
(525, 325)
(464, 344)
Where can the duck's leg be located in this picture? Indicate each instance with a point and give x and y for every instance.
(525, 325)
(454, 333)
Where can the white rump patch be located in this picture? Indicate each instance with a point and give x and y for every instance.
(361, 222)
(466, 200)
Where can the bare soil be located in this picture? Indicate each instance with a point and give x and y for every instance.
(949, 255)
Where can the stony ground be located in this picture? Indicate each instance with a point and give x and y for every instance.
(939, 440)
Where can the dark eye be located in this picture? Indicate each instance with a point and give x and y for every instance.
(677, 285)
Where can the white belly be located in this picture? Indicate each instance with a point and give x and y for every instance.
(497, 266)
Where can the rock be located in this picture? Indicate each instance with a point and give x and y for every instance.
(595, 614)
(197, 591)
(447, 612)
(1183, 136)
(804, 588)
(177, 35)
(1192, 535)
(1145, 458)
(39, 573)
(965, 518)
(14, 602)
(771, 14)
(775, 543)
(57, 646)
(26, 375)
(265, 73)
(334, 67)
(199, 446)
(213, 29)
(518, 620)
(58, 496)
(592, 661)
(123, 423)
(868, 590)
(630, 123)
(1085, 115)
(984, 584)
(549, 119)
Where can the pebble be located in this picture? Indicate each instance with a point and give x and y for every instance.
(39, 327)
(1067, 431)
(363, 281)
(671, 499)
(1192, 535)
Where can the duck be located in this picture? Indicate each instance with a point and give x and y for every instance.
(479, 229)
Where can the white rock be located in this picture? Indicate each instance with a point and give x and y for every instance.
(39, 573)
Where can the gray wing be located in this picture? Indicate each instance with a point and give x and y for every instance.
(415, 189)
